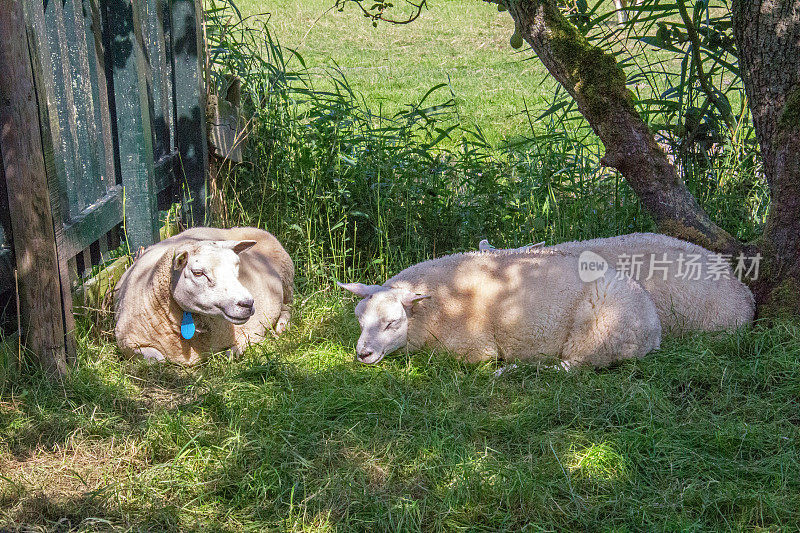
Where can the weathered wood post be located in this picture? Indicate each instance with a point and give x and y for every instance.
(44, 312)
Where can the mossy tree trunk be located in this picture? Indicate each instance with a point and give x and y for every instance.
(768, 37)
(597, 84)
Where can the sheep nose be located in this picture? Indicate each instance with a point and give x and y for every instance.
(246, 303)
(363, 353)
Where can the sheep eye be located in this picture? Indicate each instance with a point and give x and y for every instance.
(197, 273)
(391, 325)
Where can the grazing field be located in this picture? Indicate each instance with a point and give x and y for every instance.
(359, 179)
(702, 435)
(462, 43)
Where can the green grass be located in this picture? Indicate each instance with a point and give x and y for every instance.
(702, 435)
(294, 436)
(463, 43)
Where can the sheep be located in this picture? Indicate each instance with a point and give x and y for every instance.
(204, 290)
(667, 268)
(485, 306)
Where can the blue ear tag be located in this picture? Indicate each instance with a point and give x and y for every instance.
(187, 325)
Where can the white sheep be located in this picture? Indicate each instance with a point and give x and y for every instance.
(506, 306)
(693, 288)
(202, 291)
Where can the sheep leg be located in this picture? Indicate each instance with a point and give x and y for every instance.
(616, 320)
(283, 320)
(151, 354)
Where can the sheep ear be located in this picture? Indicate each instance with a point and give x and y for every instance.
(241, 246)
(180, 260)
(359, 289)
(484, 245)
(410, 298)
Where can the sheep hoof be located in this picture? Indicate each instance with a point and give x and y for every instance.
(281, 325)
(563, 366)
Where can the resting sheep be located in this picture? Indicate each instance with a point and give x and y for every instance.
(201, 291)
(667, 268)
(507, 306)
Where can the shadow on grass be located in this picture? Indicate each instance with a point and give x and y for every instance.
(89, 402)
(294, 435)
(87, 512)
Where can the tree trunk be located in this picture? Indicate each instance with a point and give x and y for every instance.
(768, 35)
(597, 84)
(768, 38)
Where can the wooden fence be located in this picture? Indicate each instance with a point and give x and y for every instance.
(102, 117)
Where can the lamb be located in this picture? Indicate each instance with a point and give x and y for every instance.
(201, 291)
(692, 288)
(483, 306)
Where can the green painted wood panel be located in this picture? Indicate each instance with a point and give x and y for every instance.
(104, 144)
(156, 23)
(156, 40)
(123, 115)
(192, 167)
(132, 112)
(83, 119)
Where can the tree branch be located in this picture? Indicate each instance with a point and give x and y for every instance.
(598, 85)
(380, 8)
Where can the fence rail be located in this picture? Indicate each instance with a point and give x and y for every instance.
(121, 117)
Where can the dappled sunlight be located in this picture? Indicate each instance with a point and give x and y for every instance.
(294, 435)
(597, 462)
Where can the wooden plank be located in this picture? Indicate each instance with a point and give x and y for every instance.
(63, 105)
(103, 246)
(51, 131)
(60, 139)
(158, 44)
(190, 114)
(114, 237)
(6, 254)
(131, 110)
(155, 39)
(29, 201)
(87, 140)
(94, 222)
(95, 39)
(164, 169)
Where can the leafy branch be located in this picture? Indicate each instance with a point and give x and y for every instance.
(377, 11)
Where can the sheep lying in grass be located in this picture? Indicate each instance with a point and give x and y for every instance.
(692, 288)
(506, 306)
(204, 290)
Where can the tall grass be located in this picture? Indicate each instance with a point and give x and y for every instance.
(353, 193)
(701, 435)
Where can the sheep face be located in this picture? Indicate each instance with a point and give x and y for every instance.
(206, 281)
(383, 317)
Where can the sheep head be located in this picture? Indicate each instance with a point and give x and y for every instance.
(205, 281)
(383, 316)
